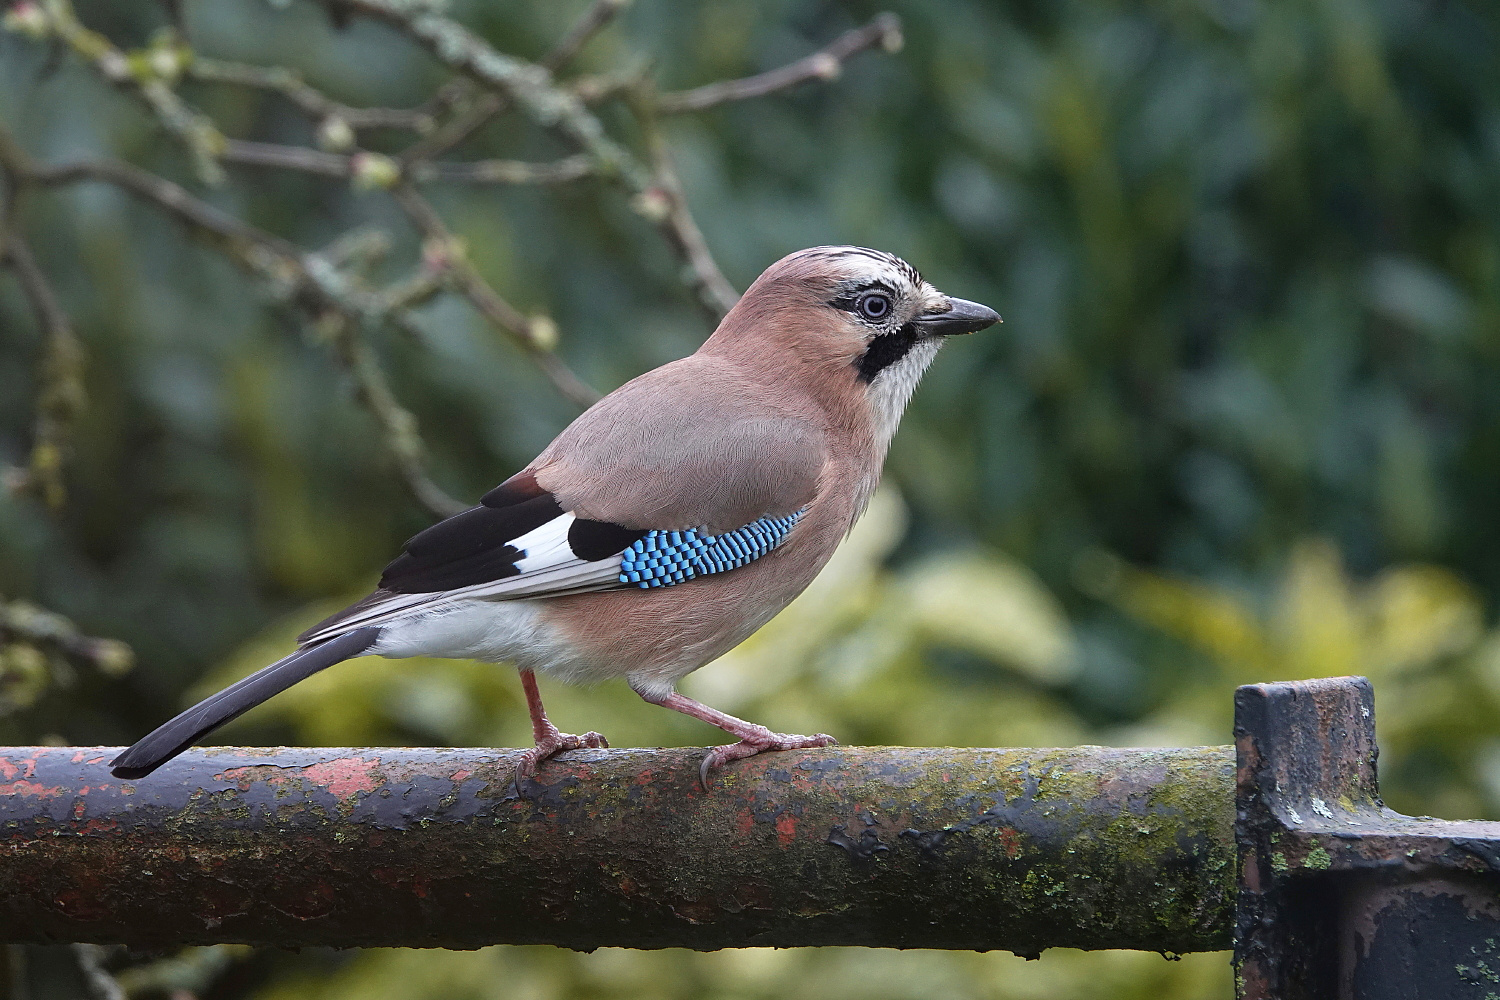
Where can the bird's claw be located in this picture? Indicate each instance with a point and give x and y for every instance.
(550, 746)
(756, 743)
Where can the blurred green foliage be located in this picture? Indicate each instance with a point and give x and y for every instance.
(1242, 421)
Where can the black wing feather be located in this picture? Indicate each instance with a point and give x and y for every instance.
(595, 540)
(469, 548)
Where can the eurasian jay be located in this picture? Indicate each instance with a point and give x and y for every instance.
(666, 524)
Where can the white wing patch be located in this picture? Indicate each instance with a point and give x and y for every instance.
(548, 568)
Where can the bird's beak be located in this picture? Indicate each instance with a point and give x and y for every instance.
(961, 316)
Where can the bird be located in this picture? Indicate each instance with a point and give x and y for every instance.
(664, 525)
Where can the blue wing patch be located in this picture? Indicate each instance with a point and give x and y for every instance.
(663, 558)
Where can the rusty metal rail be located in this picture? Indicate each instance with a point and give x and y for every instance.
(1279, 846)
(932, 848)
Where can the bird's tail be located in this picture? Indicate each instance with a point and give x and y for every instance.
(171, 738)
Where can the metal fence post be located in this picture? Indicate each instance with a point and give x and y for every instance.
(1341, 898)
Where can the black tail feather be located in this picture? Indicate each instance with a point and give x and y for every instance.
(171, 738)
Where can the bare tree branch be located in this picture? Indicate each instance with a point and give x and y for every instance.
(419, 289)
(482, 107)
(824, 64)
(666, 205)
(314, 102)
(607, 86)
(398, 424)
(26, 623)
(150, 77)
(60, 391)
(313, 161)
(269, 154)
(359, 248)
(267, 255)
(569, 168)
(528, 86)
(537, 334)
(490, 104)
(306, 280)
(594, 20)
(656, 194)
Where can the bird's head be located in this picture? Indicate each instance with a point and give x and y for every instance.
(858, 319)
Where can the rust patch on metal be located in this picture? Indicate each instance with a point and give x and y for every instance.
(345, 776)
(1010, 839)
(34, 789)
(9, 769)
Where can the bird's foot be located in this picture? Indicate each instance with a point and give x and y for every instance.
(755, 741)
(549, 746)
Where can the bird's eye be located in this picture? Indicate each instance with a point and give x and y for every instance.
(875, 306)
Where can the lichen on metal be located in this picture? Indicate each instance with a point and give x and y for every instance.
(940, 848)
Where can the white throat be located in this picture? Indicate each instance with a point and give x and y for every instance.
(892, 387)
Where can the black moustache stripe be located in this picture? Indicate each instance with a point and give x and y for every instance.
(885, 350)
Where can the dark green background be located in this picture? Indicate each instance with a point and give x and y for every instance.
(1242, 421)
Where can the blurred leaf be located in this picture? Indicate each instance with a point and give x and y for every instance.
(994, 607)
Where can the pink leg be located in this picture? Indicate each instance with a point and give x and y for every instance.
(753, 738)
(549, 742)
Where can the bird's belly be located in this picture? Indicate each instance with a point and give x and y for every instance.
(495, 632)
(656, 637)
